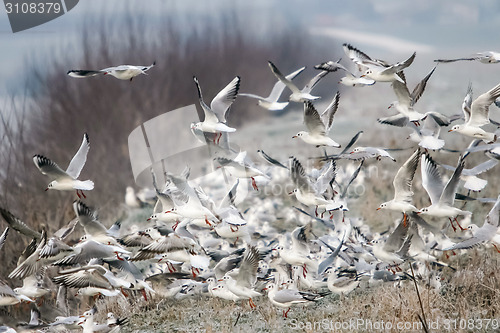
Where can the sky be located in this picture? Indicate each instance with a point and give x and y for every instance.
(389, 28)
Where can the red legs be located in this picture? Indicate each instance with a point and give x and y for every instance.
(459, 225)
(217, 137)
(236, 241)
(416, 122)
(254, 184)
(323, 213)
(143, 291)
(195, 271)
(233, 230)
(170, 267)
(316, 211)
(123, 292)
(454, 229)
(304, 270)
(496, 248)
(206, 221)
(220, 136)
(175, 225)
(81, 194)
(251, 303)
(285, 313)
(405, 224)
(118, 256)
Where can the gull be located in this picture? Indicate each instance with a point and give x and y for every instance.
(477, 116)
(486, 57)
(428, 135)
(362, 153)
(93, 228)
(240, 167)
(297, 94)
(122, 72)
(242, 283)
(215, 115)
(349, 79)
(472, 182)
(394, 249)
(32, 286)
(442, 195)
(377, 70)
(286, 298)
(67, 180)
(406, 100)
(308, 192)
(487, 232)
(9, 297)
(271, 102)
(319, 125)
(341, 282)
(402, 187)
(29, 263)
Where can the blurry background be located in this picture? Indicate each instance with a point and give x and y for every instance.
(44, 111)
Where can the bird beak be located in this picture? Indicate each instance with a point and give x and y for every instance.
(149, 219)
(351, 152)
(293, 137)
(46, 189)
(379, 208)
(220, 280)
(168, 211)
(418, 212)
(264, 288)
(450, 130)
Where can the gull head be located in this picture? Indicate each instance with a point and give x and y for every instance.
(51, 185)
(424, 210)
(382, 206)
(455, 128)
(357, 150)
(300, 134)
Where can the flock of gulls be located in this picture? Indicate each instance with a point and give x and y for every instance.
(223, 235)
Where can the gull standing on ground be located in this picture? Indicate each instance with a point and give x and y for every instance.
(402, 187)
(297, 94)
(215, 115)
(319, 125)
(271, 102)
(122, 72)
(487, 232)
(285, 298)
(442, 196)
(67, 180)
(477, 116)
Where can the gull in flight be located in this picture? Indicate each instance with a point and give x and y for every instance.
(375, 69)
(349, 79)
(122, 72)
(67, 180)
(271, 102)
(319, 125)
(402, 187)
(297, 94)
(477, 115)
(486, 57)
(241, 167)
(215, 115)
(406, 100)
(442, 195)
(487, 232)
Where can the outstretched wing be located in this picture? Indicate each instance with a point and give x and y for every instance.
(78, 161)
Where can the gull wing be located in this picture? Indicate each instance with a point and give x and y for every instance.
(329, 113)
(314, 81)
(480, 107)
(225, 98)
(312, 119)
(420, 87)
(247, 275)
(209, 114)
(88, 219)
(299, 177)
(448, 196)
(280, 86)
(404, 178)
(283, 79)
(18, 225)
(78, 161)
(431, 178)
(467, 103)
(49, 168)
(82, 73)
